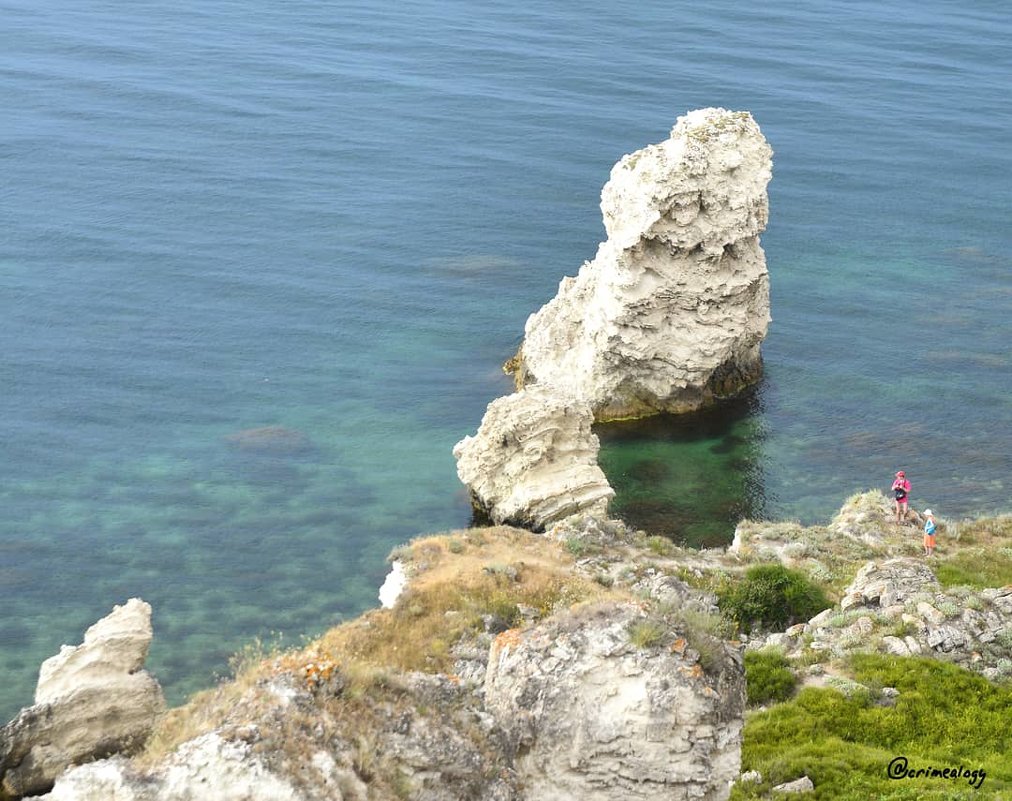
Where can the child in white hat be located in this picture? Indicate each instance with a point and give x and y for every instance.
(929, 533)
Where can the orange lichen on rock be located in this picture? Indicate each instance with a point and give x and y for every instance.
(509, 638)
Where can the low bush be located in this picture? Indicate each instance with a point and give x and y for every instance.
(646, 633)
(771, 597)
(768, 676)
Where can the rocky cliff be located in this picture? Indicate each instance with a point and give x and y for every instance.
(669, 316)
(503, 672)
(591, 662)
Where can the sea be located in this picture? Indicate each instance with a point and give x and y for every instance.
(261, 262)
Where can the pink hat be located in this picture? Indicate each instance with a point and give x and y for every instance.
(900, 473)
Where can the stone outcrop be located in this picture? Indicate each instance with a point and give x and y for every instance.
(897, 606)
(591, 716)
(534, 460)
(91, 701)
(671, 312)
(669, 316)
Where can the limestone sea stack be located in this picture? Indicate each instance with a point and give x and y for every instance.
(671, 312)
(668, 317)
(92, 700)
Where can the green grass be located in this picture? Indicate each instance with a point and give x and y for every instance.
(944, 717)
(768, 676)
(976, 567)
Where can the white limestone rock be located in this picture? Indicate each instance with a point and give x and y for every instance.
(534, 460)
(668, 316)
(802, 785)
(671, 312)
(393, 585)
(115, 646)
(592, 717)
(205, 768)
(92, 700)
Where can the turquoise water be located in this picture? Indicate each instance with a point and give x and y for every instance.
(222, 216)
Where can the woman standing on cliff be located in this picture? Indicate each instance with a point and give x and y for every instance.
(901, 491)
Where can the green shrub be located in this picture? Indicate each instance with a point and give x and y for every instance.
(768, 676)
(646, 633)
(661, 546)
(577, 547)
(772, 597)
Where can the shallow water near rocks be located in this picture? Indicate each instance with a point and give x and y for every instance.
(336, 220)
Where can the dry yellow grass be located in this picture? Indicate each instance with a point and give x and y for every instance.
(451, 590)
(457, 578)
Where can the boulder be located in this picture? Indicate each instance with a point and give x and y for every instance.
(593, 717)
(895, 646)
(671, 312)
(802, 785)
(890, 582)
(534, 460)
(92, 700)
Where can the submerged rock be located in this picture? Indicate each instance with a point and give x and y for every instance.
(92, 700)
(270, 441)
(671, 312)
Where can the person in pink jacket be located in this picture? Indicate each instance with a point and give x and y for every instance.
(901, 492)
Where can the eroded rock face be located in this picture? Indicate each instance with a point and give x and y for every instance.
(593, 717)
(92, 700)
(671, 312)
(534, 460)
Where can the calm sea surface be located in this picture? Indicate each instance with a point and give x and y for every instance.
(336, 218)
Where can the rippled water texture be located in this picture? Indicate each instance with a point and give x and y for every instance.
(333, 220)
